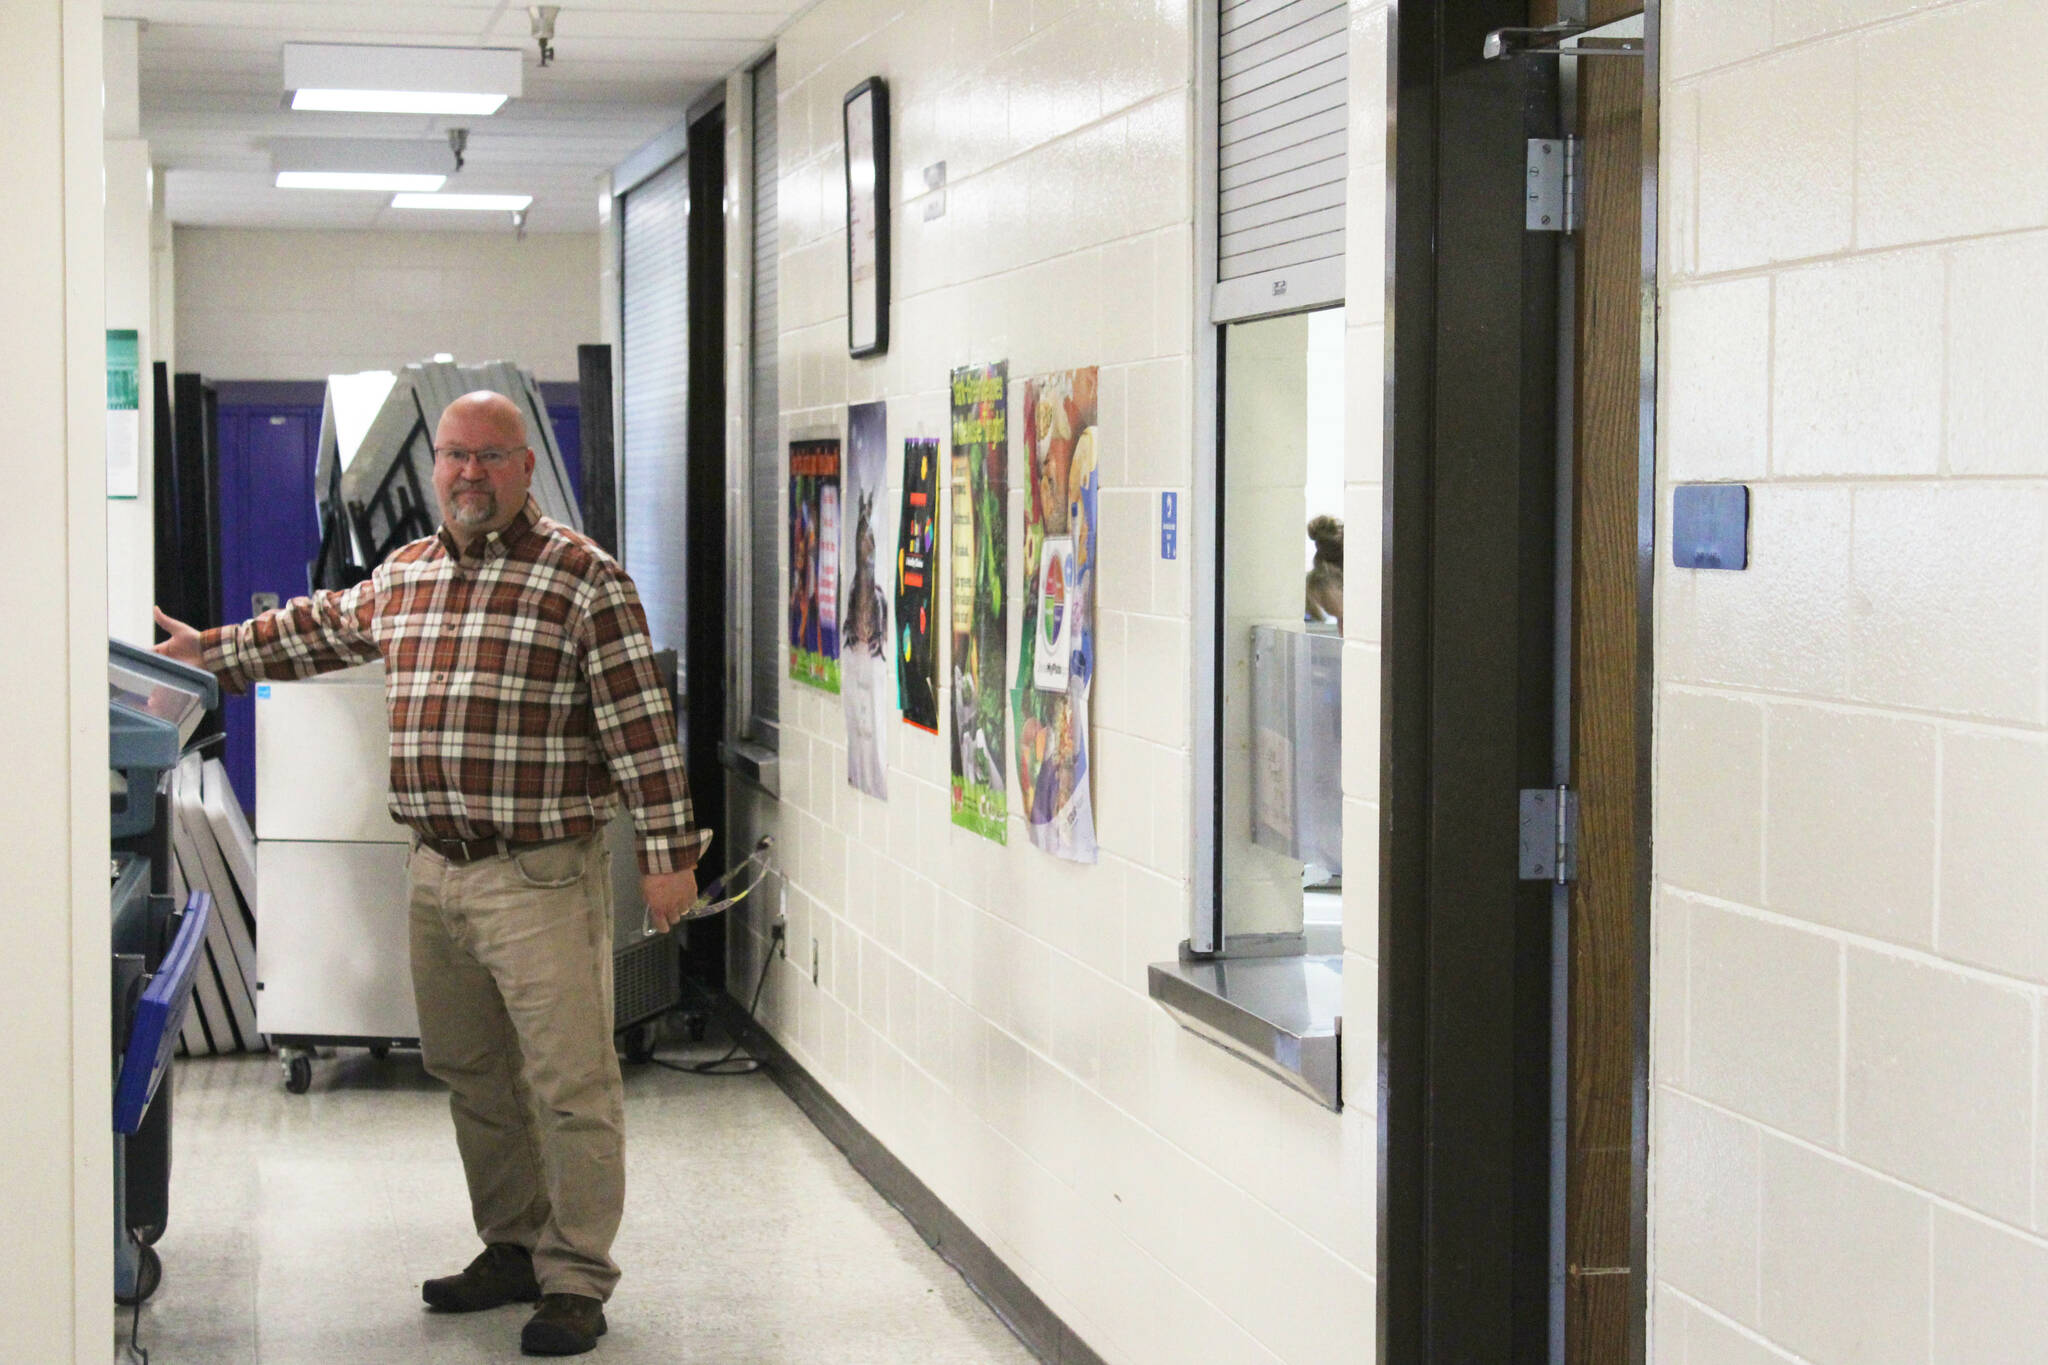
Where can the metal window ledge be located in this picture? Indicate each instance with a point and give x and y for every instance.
(1284, 1015)
(753, 762)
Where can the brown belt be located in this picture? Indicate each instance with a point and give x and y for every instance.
(475, 850)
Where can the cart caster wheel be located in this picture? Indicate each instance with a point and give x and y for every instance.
(149, 1273)
(640, 1044)
(380, 1050)
(298, 1075)
(696, 1025)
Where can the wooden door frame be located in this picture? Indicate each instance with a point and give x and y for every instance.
(1445, 1152)
(1604, 1296)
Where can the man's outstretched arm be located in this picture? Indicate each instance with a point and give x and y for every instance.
(306, 635)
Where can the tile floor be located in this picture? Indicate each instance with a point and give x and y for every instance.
(302, 1225)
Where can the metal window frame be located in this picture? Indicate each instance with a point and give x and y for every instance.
(1220, 304)
(1646, 675)
(1202, 520)
(749, 748)
(739, 401)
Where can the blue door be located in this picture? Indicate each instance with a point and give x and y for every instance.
(268, 533)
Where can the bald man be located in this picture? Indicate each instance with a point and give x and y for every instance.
(524, 706)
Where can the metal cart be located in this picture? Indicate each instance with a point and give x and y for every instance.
(332, 951)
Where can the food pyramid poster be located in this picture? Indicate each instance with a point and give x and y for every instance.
(1056, 664)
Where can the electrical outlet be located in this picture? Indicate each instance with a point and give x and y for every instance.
(778, 934)
(814, 962)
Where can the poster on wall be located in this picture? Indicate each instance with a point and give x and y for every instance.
(980, 610)
(1056, 664)
(864, 612)
(917, 634)
(124, 413)
(814, 562)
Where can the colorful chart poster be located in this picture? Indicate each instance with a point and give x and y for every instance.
(1056, 666)
(917, 630)
(980, 611)
(864, 612)
(814, 563)
(124, 413)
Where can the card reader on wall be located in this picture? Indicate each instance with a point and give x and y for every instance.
(1710, 526)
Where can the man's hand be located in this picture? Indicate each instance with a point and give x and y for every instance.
(183, 646)
(668, 895)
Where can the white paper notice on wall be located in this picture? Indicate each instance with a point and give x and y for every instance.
(124, 413)
(1052, 664)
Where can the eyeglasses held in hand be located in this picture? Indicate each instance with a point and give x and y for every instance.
(489, 459)
(728, 890)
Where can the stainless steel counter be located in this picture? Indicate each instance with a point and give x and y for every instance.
(1284, 1015)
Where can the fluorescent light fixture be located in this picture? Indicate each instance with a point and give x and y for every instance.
(373, 79)
(499, 203)
(396, 102)
(385, 181)
(359, 163)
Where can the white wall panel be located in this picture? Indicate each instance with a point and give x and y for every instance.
(982, 1009)
(54, 1014)
(1848, 1004)
(255, 304)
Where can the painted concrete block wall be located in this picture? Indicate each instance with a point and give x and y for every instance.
(255, 304)
(982, 1009)
(1365, 313)
(54, 1072)
(1852, 736)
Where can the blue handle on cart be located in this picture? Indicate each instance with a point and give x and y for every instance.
(160, 1015)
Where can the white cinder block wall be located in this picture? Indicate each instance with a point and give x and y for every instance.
(1852, 771)
(1365, 312)
(54, 1072)
(982, 1009)
(254, 304)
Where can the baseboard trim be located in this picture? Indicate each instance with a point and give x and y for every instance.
(1040, 1329)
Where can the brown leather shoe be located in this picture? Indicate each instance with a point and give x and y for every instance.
(563, 1325)
(502, 1273)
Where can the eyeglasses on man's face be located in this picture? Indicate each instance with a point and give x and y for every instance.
(489, 459)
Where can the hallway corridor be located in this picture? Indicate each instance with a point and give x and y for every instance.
(302, 1226)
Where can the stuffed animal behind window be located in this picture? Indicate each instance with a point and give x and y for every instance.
(1325, 595)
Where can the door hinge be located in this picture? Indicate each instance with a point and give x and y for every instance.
(1553, 201)
(1550, 835)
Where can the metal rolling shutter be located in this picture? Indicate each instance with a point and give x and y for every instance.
(654, 371)
(764, 464)
(1281, 119)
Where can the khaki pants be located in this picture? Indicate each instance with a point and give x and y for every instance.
(512, 971)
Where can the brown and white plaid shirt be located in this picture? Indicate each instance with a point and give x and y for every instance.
(520, 687)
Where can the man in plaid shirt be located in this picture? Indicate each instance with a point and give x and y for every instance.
(524, 705)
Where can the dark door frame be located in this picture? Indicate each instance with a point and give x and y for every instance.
(1468, 710)
(704, 638)
(1468, 705)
